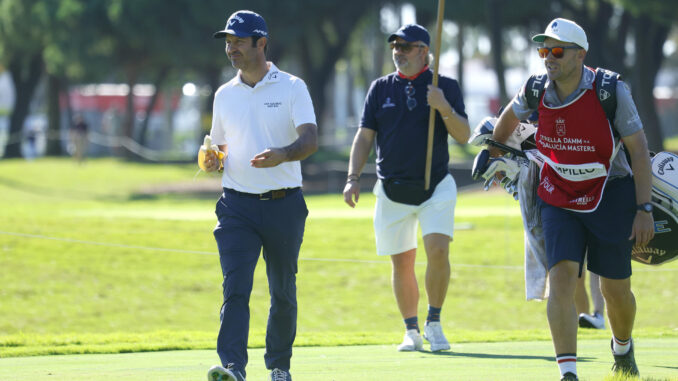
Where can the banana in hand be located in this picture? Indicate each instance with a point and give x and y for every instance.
(209, 148)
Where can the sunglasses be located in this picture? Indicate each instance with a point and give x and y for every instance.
(404, 47)
(409, 92)
(557, 51)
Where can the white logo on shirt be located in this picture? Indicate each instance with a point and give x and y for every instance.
(546, 183)
(560, 127)
(388, 103)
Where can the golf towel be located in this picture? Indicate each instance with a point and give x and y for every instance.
(536, 268)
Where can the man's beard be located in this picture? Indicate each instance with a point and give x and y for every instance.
(402, 65)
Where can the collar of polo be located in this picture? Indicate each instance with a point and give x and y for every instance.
(412, 78)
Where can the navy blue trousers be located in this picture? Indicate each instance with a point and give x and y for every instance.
(245, 225)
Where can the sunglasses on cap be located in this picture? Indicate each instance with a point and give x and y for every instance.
(557, 51)
(404, 47)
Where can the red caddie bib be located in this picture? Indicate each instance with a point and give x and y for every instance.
(576, 143)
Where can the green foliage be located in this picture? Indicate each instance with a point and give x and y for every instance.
(21, 24)
(662, 11)
(671, 144)
(102, 258)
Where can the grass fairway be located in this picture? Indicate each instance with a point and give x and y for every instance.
(523, 361)
(91, 262)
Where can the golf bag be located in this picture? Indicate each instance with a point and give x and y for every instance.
(663, 247)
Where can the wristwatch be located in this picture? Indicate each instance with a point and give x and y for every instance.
(645, 207)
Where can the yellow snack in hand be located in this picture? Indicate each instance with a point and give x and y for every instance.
(206, 149)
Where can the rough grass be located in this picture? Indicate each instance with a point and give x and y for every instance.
(89, 266)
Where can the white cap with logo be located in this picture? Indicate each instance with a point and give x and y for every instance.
(564, 30)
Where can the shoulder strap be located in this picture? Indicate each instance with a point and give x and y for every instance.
(534, 89)
(606, 86)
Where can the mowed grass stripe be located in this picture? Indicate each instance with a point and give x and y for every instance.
(524, 361)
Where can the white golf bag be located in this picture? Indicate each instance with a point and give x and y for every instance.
(663, 247)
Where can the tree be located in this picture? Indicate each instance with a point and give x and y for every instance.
(651, 25)
(21, 39)
(649, 22)
(494, 17)
(60, 39)
(316, 39)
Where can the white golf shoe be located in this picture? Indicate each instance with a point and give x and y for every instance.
(411, 342)
(433, 333)
(596, 321)
(219, 373)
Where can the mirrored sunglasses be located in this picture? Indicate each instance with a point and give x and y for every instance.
(556, 51)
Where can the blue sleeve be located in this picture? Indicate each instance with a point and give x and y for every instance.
(368, 119)
(453, 94)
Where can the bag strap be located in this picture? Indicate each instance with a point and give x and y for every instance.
(606, 86)
(534, 90)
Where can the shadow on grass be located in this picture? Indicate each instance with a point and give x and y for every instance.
(500, 357)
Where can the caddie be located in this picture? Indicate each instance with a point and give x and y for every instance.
(589, 196)
(263, 120)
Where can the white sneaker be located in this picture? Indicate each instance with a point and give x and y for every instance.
(280, 375)
(219, 373)
(596, 321)
(433, 333)
(411, 342)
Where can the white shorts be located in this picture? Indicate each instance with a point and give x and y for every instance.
(395, 224)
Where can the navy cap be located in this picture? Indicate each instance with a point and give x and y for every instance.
(411, 33)
(244, 24)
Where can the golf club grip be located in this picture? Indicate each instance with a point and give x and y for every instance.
(504, 147)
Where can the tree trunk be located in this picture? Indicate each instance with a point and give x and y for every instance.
(128, 121)
(650, 38)
(159, 80)
(53, 116)
(460, 51)
(26, 78)
(213, 78)
(494, 21)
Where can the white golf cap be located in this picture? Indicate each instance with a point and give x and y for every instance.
(564, 30)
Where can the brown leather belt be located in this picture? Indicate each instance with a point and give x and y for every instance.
(270, 195)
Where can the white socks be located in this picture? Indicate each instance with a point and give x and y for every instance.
(567, 362)
(620, 347)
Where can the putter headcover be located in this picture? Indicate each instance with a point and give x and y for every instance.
(484, 131)
(480, 164)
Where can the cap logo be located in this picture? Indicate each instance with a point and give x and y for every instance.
(261, 32)
(235, 18)
(554, 27)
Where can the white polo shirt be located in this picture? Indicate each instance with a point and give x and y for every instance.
(251, 119)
